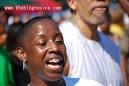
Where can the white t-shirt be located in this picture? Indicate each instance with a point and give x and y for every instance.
(88, 59)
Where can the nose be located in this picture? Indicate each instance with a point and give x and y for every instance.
(53, 48)
(104, 1)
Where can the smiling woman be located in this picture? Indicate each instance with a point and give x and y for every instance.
(41, 47)
(45, 55)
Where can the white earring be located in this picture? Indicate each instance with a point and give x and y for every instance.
(24, 65)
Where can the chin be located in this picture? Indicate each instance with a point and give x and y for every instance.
(55, 77)
(97, 22)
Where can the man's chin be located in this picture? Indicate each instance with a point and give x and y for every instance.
(97, 22)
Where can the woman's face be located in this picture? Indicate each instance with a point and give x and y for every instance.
(45, 51)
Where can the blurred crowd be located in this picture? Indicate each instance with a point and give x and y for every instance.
(116, 26)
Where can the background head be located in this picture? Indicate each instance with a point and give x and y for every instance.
(3, 34)
(90, 11)
(11, 36)
(40, 44)
(11, 42)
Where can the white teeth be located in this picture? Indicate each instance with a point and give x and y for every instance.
(54, 66)
(54, 60)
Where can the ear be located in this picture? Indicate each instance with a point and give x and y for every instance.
(21, 54)
(72, 4)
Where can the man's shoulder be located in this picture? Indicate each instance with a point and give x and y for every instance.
(65, 23)
(68, 30)
(67, 26)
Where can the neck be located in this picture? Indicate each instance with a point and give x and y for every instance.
(87, 29)
(39, 82)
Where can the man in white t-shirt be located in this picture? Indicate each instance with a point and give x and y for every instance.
(91, 54)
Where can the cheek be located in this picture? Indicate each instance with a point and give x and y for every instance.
(84, 10)
(36, 55)
(63, 51)
(35, 60)
(37, 52)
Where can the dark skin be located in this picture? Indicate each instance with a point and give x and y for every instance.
(44, 51)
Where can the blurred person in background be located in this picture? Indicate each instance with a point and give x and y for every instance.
(115, 32)
(119, 29)
(21, 77)
(6, 75)
(122, 41)
(124, 4)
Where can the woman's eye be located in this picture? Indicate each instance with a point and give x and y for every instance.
(59, 41)
(41, 44)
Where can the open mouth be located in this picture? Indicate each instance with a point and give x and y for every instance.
(55, 64)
